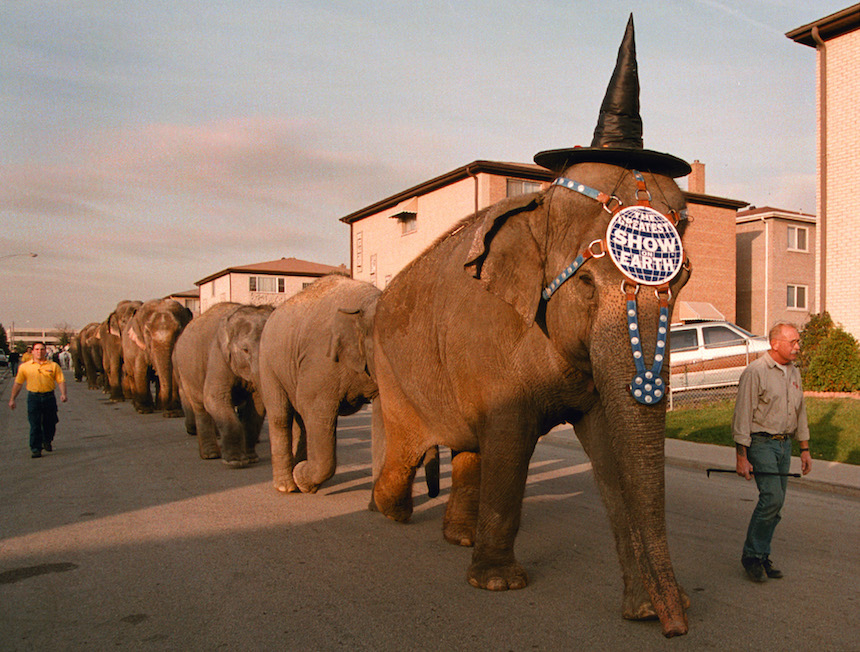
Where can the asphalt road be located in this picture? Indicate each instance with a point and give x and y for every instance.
(123, 538)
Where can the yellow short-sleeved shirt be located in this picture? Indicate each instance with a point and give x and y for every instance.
(40, 377)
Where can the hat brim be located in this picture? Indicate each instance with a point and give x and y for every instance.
(645, 160)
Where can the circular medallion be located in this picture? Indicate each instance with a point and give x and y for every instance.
(644, 245)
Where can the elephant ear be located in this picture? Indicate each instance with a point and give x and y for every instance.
(505, 256)
(346, 342)
(113, 324)
(136, 335)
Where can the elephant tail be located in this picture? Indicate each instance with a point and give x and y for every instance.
(431, 471)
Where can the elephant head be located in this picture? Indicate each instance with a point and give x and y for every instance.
(350, 340)
(239, 341)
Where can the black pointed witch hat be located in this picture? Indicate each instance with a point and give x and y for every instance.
(618, 135)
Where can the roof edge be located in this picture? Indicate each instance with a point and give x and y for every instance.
(829, 27)
(522, 170)
(713, 200)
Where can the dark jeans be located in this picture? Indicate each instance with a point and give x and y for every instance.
(42, 413)
(772, 455)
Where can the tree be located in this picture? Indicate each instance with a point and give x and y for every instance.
(830, 357)
(4, 341)
(65, 333)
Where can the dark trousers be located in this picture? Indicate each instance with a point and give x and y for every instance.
(42, 413)
(775, 456)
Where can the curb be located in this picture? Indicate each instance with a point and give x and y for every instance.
(826, 477)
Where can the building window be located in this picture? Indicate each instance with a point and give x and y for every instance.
(269, 284)
(373, 268)
(517, 187)
(797, 238)
(408, 223)
(359, 249)
(797, 297)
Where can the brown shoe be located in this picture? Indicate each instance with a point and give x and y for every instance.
(770, 570)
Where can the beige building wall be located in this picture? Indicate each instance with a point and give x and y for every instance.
(383, 244)
(767, 265)
(841, 178)
(236, 287)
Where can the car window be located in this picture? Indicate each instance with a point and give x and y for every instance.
(683, 340)
(717, 336)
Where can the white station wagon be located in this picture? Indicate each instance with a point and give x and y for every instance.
(709, 354)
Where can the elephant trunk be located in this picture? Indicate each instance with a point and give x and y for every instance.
(637, 436)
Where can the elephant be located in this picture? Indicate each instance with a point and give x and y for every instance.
(315, 364)
(216, 361)
(501, 365)
(110, 338)
(91, 355)
(147, 344)
(77, 360)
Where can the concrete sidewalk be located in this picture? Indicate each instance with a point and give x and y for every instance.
(832, 477)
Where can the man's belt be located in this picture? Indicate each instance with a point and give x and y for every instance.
(770, 435)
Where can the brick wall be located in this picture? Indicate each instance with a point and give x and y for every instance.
(842, 179)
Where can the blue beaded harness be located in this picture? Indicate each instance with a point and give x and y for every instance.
(658, 260)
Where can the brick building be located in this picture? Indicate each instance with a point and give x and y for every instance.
(836, 39)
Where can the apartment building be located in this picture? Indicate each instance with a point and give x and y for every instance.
(775, 267)
(836, 39)
(271, 282)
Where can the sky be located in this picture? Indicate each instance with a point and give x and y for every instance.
(146, 145)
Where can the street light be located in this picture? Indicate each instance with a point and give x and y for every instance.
(30, 255)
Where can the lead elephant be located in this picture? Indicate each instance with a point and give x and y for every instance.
(110, 338)
(314, 366)
(147, 346)
(529, 315)
(216, 361)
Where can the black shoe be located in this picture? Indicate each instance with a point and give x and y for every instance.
(773, 573)
(36, 454)
(754, 568)
(47, 446)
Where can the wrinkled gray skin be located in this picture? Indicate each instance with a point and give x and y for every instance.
(147, 344)
(216, 363)
(315, 365)
(90, 349)
(110, 338)
(499, 367)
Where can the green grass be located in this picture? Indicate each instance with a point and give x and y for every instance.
(834, 426)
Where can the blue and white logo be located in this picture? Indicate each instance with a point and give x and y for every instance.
(644, 245)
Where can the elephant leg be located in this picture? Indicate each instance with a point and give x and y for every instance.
(190, 418)
(592, 432)
(207, 434)
(281, 424)
(142, 396)
(392, 491)
(252, 416)
(461, 513)
(502, 486)
(219, 405)
(320, 424)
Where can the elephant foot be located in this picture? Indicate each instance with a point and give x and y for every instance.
(253, 458)
(305, 480)
(210, 455)
(397, 509)
(496, 577)
(236, 463)
(173, 414)
(117, 399)
(144, 409)
(459, 534)
(286, 486)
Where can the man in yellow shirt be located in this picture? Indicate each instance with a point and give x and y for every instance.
(41, 377)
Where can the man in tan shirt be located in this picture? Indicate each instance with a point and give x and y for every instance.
(769, 413)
